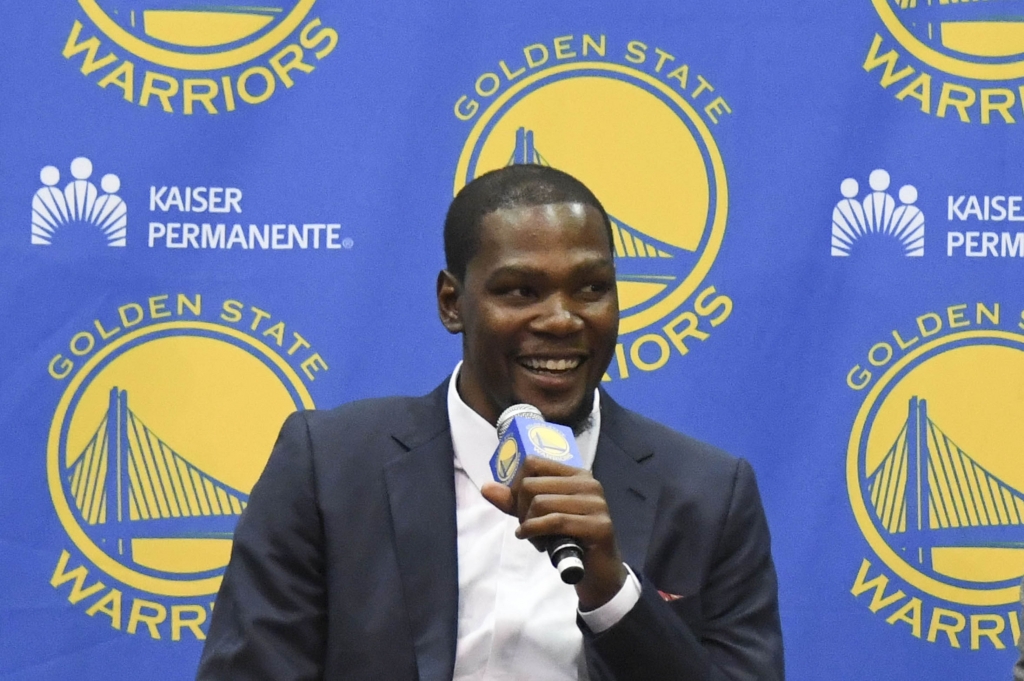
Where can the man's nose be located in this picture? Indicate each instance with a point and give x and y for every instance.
(558, 317)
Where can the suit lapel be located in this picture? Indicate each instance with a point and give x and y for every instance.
(630, 488)
(421, 493)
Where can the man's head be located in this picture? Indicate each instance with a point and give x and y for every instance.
(530, 283)
(520, 185)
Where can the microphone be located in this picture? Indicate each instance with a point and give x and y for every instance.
(522, 431)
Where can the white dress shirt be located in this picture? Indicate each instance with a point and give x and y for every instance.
(517, 619)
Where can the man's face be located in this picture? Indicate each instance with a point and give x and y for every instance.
(538, 310)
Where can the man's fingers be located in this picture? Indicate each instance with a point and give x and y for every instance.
(536, 465)
(589, 530)
(550, 480)
(571, 485)
(500, 496)
(581, 504)
(552, 499)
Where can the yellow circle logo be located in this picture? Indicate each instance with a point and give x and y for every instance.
(967, 39)
(155, 445)
(194, 35)
(507, 461)
(643, 150)
(550, 443)
(934, 470)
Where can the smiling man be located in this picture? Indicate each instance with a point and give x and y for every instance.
(376, 546)
(532, 290)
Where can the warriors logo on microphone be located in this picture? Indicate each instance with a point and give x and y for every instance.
(506, 461)
(550, 443)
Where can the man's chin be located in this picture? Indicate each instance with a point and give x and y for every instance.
(575, 416)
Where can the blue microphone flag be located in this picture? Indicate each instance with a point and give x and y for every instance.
(528, 435)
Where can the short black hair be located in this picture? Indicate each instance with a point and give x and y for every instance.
(515, 186)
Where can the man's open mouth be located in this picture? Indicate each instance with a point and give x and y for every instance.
(551, 365)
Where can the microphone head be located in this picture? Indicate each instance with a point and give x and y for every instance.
(524, 410)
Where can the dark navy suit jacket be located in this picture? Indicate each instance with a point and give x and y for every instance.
(344, 563)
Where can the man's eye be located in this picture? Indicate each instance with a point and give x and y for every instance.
(596, 288)
(520, 292)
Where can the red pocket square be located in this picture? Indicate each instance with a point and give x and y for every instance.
(669, 597)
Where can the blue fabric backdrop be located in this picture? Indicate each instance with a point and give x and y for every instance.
(210, 217)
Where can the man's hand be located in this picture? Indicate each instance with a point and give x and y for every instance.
(550, 499)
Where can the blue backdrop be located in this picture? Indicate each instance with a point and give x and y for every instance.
(212, 217)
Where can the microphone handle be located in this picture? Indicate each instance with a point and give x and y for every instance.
(567, 556)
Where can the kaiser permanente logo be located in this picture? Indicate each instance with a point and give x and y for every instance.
(878, 217)
(934, 477)
(80, 216)
(78, 212)
(962, 60)
(191, 56)
(634, 121)
(878, 220)
(165, 409)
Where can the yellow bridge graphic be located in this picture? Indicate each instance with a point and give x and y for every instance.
(194, 24)
(640, 257)
(928, 492)
(983, 29)
(128, 483)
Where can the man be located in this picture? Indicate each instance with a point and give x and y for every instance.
(375, 545)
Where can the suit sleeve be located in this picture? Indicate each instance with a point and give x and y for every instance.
(730, 631)
(269, 618)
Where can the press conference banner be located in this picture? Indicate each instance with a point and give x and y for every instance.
(212, 216)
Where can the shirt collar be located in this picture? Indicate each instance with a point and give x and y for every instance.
(474, 439)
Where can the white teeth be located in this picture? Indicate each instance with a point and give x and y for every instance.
(552, 364)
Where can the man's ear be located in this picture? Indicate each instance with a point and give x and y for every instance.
(448, 291)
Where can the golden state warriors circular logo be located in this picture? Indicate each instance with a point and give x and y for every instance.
(156, 442)
(197, 35)
(549, 441)
(644, 151)
(507, 461)
(982, 40)
(189, 51)
(934, 467)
